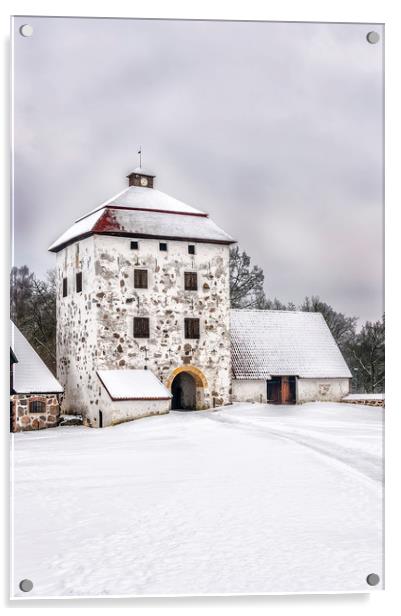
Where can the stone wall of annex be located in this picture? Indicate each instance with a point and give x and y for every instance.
(23, 417)
(95, 327)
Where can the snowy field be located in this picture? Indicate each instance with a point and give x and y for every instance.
(248, 499)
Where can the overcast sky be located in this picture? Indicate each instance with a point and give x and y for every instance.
(274, 129)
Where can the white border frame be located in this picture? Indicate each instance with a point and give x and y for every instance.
(367, 11)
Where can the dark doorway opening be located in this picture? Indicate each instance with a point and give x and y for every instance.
(282, 390)
(183, 389)
(12, 417)
(274, 390)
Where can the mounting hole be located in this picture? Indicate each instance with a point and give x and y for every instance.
(373, 579)
(26, 585)
(26, 30)
(373, 37)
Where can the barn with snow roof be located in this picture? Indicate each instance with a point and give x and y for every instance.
(144, 321)
(285, 357)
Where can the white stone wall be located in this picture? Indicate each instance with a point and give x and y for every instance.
(118, 411)
(95, 327)
(310, 390)
(244, 390)
(77, 348)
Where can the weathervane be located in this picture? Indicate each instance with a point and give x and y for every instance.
(140, 156)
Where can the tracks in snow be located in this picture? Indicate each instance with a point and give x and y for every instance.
(357, 460)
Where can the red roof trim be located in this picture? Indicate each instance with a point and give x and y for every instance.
(147, 209)
(110, 206)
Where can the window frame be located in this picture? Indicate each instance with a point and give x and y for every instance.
(163, 244)
(188, 325)
(136, 247)
(138, 273)
(190, 281)
(41, 403)
(78, 282)
(138, 334)
(191, 249)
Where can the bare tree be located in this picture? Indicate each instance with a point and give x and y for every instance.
(246, 281)
(341, 326)
(33, 310)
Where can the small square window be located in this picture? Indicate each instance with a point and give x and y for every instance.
(141, 327)
(65, 287)
(134, 245)
(191, 328)
(190, 281)
(140, 279)
(163, 246)
(191, 249)
(78, 282)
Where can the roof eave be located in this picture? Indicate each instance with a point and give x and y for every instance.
(139, 398)
(56, 248)
(38, 392)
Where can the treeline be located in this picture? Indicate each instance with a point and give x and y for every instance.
(33, 310)
(363, 351)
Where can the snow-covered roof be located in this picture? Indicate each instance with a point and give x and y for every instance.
(364, 397)
(139, 211)
(268, 343)
(81, 227)
(138, 197)
(133, 385)
(31, 375)
(142, 171)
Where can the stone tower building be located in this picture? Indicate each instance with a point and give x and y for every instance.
(142, 285)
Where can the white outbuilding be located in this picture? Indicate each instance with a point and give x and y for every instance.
(131, 394)
(285, 357)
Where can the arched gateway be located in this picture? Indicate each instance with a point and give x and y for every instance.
(187, 384)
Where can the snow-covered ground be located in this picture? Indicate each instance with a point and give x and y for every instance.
(248, 499)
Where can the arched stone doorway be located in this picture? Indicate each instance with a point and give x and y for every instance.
(183, 389)
(187, 384)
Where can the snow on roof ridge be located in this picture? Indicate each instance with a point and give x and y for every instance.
(143, 171)
(273, 310)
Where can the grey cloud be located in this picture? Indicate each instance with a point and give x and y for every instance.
(275, 129)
